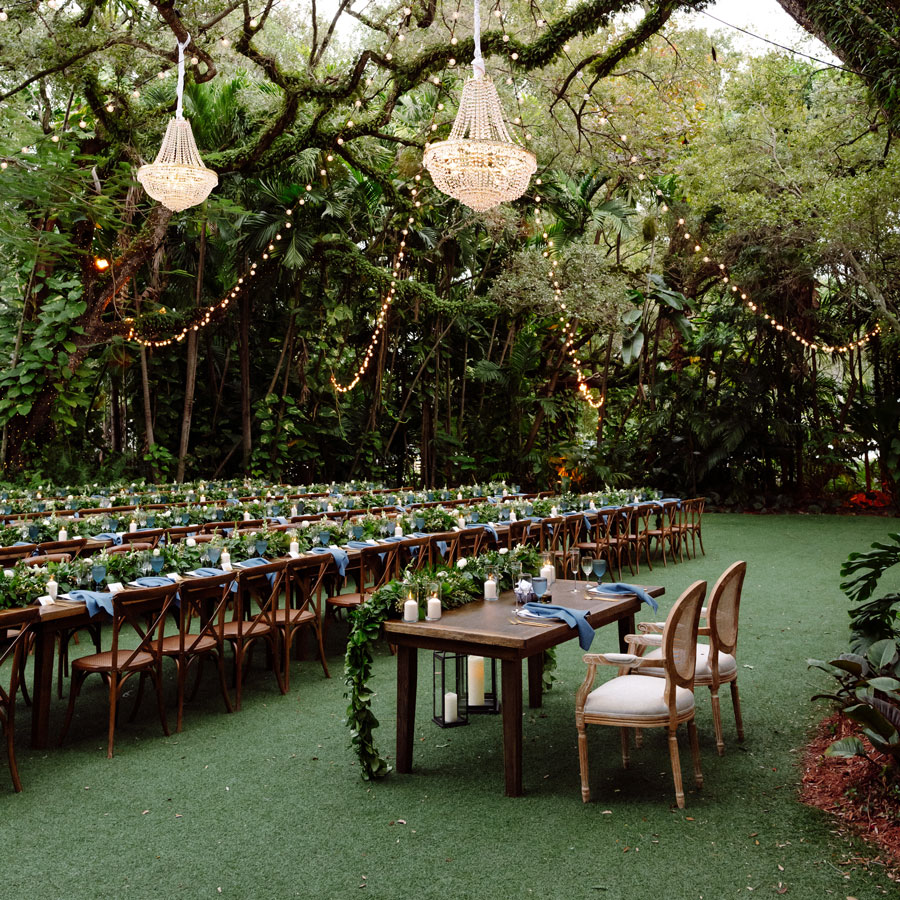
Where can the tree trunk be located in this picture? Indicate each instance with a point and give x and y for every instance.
(244, 348)
(190, 380)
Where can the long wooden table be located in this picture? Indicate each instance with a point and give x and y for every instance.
(485, 629)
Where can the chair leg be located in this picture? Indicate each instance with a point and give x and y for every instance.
(220, 665)
(238, 673)
(74, 689)
(638, 738)
(113, 711)
(156, 675)
(583, 764)
(676, 767)
(695, 753)
(647, 554)
(700, 538)
(8, 726)
(182, 670)
(625, 746)
(321, 639)
(736, 703)
(717, 719)
(139, 698)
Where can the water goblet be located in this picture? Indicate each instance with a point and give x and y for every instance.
(214, 553)
(157, 563)
(98, 574)
(599, 569)
(358, 531)
(420, 523)
(261, 547)
(324, 538)
(145, 564)
(539, 586)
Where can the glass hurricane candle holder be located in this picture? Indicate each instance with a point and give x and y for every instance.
(450, 698)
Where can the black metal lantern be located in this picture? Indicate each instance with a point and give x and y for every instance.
(449, 689)
(482, 696)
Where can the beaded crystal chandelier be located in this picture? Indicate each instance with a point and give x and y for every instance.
(177, 177)
(487, 167)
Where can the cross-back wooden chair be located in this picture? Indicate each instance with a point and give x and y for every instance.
(17, 624)
(633, 701)
(305, 583)
(517, 533)
(72, 546)
(664, 530)
(638, 533)
(143, 613)
(552, 531)
(716, 664)
(133, 547)
(255, 617)
(374, 567)
(693, 522)
(201, 632)
(450, 551)
(147, 536)
(414, 553)
(472, 540)
(47, 558)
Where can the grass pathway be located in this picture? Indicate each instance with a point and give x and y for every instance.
(268, 802)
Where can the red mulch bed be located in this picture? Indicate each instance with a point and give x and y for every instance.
(855, 791)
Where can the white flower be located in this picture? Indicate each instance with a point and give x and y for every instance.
(461, 563)
(504, 550)
(441, 574)
(304, 523)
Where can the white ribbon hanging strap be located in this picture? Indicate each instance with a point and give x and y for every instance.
(477, 62)
(180, 88)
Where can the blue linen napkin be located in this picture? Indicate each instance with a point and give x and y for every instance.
(209, 571)
(358, 545)
(619, 587)
(340, 557)
(153, 580)
(281, 520)
(574, 618)
(94, 601)
(107, 536)
(487, 527)
(441, 545)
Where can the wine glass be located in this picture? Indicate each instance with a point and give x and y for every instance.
(261, 546)
(599, 569)
(539, 585)
(587, 565)
(571, 563)
(214, 553)
(98, 574)
(157, 563)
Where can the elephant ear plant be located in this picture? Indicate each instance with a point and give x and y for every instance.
(872, 620)
(868, 694)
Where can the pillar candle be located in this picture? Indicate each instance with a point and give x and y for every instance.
(293, 511)
(410, 611)
(461, 522)
(450, 707)
(549, 573)
(203, 498)
(512, 516)
(398, 531)
(63, 534)
(476, 680)
(490, 589)
(133, 526)
(554, 511)
(330, 508)
(52, 589)
(246, 517)
(434, 608)
(295, 548)
(225, 561)
(459, 496)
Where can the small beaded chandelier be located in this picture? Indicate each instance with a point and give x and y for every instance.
(177, 177)
(487, 167)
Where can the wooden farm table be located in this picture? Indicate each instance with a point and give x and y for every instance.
(485, 629)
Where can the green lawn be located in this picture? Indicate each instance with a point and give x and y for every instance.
(268, 802)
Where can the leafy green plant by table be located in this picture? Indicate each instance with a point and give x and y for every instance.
(867, 694)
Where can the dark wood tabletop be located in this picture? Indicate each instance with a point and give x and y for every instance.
(487, 628)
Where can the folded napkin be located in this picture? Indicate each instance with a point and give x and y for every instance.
(441, 545)
(107, 536)
(94, 601)
(358, 545)
(340, 557)
(153, 580)
(281, 520)
(487, 527)
(574, 618)
(620, 587)
(204, 572)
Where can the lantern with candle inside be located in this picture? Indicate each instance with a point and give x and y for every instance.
(410, 594)
(481, 682)
(433, 603)
(491, 583)
(449, 689)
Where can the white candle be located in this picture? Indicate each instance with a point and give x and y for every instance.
(293, 511)
(490, 589)
(203, 498)
(459, 496)
(461, 522)
(225, 560)
(398, 531)
(133, 526)
(410, 611)
(246, 517)
(592, 507)
(450, 707)
(505, 492)
(434, 608)
(63, 534)
(554, 511)
(295, 548)
(191, 542)
(512, 516)
(549, 573)
(476, 680)
(52, 589)
(330, 508)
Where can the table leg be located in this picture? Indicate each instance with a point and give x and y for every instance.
(536, 680)
(407, 673)
(42, 688)
(626, 627)
(511, 678)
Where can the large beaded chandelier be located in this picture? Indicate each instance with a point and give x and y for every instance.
(487, 167)
(177, 177)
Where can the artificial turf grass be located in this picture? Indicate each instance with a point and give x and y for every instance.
(268, 802)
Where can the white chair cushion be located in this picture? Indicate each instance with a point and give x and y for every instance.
(633, 696)
(703, 673)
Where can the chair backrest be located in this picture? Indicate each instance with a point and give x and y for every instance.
(471, 540)
(724, 608)
(134, 547)
(145, 610)
(47, 558)
(450, 539)
(10, 555)
(622, 519)
(15, 647)
(414, 553)
(305, 577)
(694, 510)
(147, 536)
(73, 546)
(180, 532)
(573, 526)
(552, 534)
(518, 533)
(679, 640)
(204, 599)
(641, 517)
(377, 566)
(670, 515)
(256, 582)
